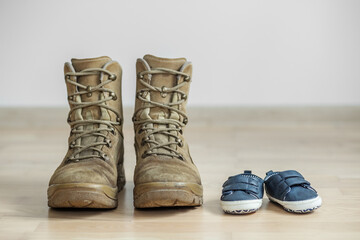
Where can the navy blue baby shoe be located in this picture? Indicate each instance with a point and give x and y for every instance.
(292, 191)
(242, 193)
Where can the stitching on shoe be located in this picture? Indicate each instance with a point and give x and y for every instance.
(252, 176)
(287, 193)
(269, 176)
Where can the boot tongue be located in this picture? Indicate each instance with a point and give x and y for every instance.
(81, 64)
(91, 80)
(171, 63)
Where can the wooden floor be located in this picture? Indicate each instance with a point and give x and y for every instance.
(321, 143)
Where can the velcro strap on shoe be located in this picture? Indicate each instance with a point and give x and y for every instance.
(242, 179)
(290, 173)
(296, 181)
(279, 184)
(241, 187)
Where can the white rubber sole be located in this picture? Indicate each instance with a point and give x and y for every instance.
(241, 207)
(305, 206)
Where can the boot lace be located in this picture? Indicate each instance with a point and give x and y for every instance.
(173, 126)
(77, 126)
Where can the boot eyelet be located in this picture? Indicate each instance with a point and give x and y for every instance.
(180, 142)
(163, 91)
(118, 120)
(113, 95)
(112, 77)
(112, 130)
(88, 88)
(70, 98)
(142, 94)
(68, 78)
(144, 141)
(140, 76)
(185, 121)
(187, 78)
(108, 143)
(184, 97)
(105, 157)
(141, 130)
(180, 130)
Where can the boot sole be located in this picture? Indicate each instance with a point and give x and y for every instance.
(167, 194)
(82, 195)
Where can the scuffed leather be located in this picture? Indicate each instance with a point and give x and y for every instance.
(159, 168)
(94, 170)
(165, 169)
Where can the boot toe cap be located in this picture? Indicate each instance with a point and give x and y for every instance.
(163, 169)
(93, 171)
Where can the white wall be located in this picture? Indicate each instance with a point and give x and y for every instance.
(244, 52)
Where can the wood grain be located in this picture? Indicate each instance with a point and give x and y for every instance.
(323, 143)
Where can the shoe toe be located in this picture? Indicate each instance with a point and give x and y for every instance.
(300, 193)
(236, 196)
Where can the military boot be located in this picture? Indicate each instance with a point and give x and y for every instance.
(165, 174)
(92, 172)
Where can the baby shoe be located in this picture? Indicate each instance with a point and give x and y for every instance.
(242, 193)
(291, 191)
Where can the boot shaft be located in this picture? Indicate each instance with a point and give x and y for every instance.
(94, 95)
(163, 81)
(91, 80)
(160, 108)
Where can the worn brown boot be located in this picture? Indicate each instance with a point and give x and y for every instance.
(165, 174)
(92, 172)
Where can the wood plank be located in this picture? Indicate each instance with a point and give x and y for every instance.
(323, 143)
